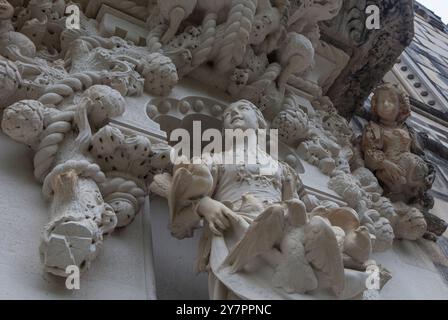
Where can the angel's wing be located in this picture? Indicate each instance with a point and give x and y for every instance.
(263, 233)
(345, 218)
(183, 218)
(182, 180)
(189, 184)
(161, 185)
(323, 253)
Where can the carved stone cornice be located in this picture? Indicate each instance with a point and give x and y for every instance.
(373, 52)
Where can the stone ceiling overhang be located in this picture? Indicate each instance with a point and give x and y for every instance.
(373, 52)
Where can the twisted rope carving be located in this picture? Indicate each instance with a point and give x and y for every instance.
(52, 136)
(238, 28)
(115, 184)
(124, 196)
(153, 39)
(207, 39)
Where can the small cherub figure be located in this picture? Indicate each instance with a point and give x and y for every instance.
(387, 146)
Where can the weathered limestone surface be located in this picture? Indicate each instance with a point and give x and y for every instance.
(122, 270)
(97, 106)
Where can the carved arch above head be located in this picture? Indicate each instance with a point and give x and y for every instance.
(172, 113)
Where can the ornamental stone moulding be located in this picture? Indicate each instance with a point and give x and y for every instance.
(324, 212)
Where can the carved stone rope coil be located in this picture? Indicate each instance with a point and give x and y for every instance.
(48, 148)
(56, 93)
(238, 28)
(153, 39)
(82, 168)
(207, 39)
(123, 185)
(124, 195)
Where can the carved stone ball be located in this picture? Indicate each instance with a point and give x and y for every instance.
(107, 140)
(105, 103)
(160, 74)
(124, 210)
(24, 121)
(292, 125)
(10, 79)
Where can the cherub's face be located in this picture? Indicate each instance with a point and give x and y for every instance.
(240, 115)
(6, 10)
(387, 105)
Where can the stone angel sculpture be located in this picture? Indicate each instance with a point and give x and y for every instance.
(388, 148)
(258, 241)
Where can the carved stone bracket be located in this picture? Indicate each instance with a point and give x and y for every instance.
(372, 52)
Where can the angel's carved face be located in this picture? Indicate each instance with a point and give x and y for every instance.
(387, 105)
(240, 115)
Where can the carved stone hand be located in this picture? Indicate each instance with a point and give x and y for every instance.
(216, 214)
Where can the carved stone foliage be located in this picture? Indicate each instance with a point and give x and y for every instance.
(93, 174)
(263, 236)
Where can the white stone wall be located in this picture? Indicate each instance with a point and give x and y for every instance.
(175, 259)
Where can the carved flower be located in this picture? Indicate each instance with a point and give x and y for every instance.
(104, 103)
(24, 121)
(292, 125)
(160, 74)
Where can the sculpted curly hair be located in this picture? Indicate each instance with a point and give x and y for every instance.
(404, 103)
